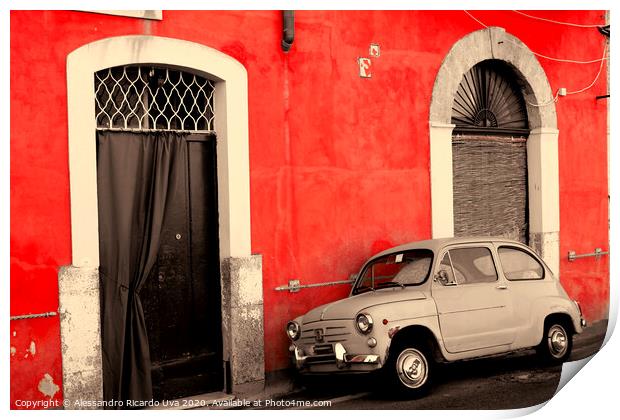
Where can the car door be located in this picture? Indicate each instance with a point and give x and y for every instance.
(528, 282)
(474, 306)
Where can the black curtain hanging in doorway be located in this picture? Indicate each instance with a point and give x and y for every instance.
(137, 174)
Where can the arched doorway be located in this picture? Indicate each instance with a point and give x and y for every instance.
(79, 292)
(489, 156)
(543, 213)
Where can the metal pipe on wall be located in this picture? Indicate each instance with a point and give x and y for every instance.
(288, 29)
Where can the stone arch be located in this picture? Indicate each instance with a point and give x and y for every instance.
(495, 43)
(79, 283)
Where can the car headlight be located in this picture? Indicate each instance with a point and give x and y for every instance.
(293, 330)
(363, 322)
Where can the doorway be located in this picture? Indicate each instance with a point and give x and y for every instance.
(159, 234)
(181, 298)
(79, 283)
(489, 154)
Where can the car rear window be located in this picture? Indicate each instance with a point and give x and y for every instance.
(473, 265)
(519, 265)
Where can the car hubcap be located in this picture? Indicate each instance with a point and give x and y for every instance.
(412, 368)
(557, 340)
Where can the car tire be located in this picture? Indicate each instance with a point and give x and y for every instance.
(410, 370)
(556, 344)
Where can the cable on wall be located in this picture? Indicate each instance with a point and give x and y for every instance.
(550, 101)
(557, 94)
(472, 16)
(577, 25)
(562, 60)
(600, 70)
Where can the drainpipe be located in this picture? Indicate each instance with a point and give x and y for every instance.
(288, 29)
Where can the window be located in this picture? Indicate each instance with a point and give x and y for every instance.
(489, 100)
(153, 98)
(409, 268)
(471, 265)
(446, 266)
(519, 265)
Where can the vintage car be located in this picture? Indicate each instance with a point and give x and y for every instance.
(438, 301)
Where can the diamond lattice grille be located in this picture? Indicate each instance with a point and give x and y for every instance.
(151, 98)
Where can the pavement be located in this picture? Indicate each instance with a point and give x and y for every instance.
(512, 381)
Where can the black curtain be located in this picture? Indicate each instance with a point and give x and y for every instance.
(137, 174)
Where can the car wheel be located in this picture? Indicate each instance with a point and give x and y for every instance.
(410, 370)
(556, 344)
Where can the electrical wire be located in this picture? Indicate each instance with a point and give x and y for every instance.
(553, 100)
(562, 60)
(566, 60)
(574, 92)
(471, 16)
(577, 25)
(600, 70)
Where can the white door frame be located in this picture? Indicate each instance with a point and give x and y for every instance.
(79, 283)
(542, 144)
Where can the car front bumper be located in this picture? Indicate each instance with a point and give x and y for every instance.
(331, 354)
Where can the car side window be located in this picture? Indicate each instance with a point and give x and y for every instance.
(451, 272)
(446, 266)
(474, 264)
(519, 265)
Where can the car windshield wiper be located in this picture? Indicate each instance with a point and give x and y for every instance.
(364, 289)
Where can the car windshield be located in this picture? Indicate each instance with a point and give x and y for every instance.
(402, 269)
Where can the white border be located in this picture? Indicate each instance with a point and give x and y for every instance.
(591, 392)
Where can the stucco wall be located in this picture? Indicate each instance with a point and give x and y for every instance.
(339, 165)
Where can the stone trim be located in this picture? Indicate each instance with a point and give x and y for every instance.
(487, 44)
(442, 211)
(242, 323)
(80, 336)
(545, 244)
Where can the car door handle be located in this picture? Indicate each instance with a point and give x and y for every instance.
(502, 287)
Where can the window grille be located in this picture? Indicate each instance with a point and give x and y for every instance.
(152, 98)
(489, 101)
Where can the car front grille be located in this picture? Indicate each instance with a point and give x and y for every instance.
(331, 331)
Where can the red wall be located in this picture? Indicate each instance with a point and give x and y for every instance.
(339, 165)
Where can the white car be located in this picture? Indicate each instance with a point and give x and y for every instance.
(433, 301)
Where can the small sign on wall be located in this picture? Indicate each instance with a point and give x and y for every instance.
(374, 50)
(365, 65)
